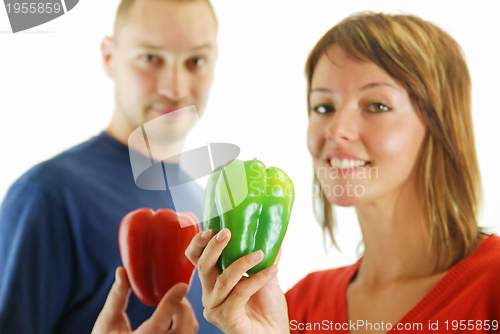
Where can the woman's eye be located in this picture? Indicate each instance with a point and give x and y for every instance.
(378, 107)
(322, 109)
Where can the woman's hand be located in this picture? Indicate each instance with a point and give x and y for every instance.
(234, 303)
(173, 306)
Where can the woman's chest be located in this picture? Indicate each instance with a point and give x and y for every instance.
(378, 311)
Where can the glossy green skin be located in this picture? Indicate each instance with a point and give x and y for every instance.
(260, 221)
(209, 207)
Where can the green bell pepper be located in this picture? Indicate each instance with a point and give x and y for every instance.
(254, 203)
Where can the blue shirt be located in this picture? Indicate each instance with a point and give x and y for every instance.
(59, 239)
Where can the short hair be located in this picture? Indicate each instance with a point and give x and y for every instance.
(430, 65)
(124, 10)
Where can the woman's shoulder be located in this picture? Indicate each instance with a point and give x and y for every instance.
(486, 258)
(306, 300)
(331, 275)
(480, 269)
(488, 252)
(324, 281)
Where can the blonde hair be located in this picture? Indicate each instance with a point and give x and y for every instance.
(124, 10)
(429, 63)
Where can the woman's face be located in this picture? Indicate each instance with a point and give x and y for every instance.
(364, 134)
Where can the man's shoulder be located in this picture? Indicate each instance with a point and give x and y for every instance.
(52, 173)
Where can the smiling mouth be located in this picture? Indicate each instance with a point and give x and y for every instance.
(347, 163)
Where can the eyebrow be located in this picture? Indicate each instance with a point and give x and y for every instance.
(321, 90)
(365, 87)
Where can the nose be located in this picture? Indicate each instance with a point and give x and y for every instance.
(343, 126)
(173, 83)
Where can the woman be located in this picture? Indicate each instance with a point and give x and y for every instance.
(390, 132)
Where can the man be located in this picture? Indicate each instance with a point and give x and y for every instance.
(59, 222)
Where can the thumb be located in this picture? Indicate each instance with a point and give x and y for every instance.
(162, 317)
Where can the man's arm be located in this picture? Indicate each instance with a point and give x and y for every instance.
(35, 260)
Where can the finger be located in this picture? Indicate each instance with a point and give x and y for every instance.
(184, 320)
(161, 319)
(116, 303)
(232, 275)
(207, 263)
(198, 243)
(117, 300)
(278, 256)
(245, 289)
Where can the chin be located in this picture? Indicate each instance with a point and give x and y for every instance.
(346, 203)
(168, 137)
(345, 200)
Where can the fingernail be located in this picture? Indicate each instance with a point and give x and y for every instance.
(206, 235)
(222, 235)
(255, 256)
(272, 270)
(180, 291)
(117, 277)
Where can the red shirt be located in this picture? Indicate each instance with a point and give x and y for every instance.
(465, 300)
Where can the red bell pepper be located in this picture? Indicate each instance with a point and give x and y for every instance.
(152, 246)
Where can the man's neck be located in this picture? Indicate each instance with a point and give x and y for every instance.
(166, 151)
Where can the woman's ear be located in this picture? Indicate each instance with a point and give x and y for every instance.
(107, 52)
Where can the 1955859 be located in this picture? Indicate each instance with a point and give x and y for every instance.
(471, 325)
(34, 7)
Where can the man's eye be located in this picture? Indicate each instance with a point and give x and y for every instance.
(322, 109)
(196, 62)
(378, 107)
(150, 58)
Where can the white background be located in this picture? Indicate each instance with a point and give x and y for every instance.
(54, 94)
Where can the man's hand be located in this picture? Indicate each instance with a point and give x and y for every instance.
(173, 307)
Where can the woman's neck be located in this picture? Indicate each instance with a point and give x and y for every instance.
(397, 240)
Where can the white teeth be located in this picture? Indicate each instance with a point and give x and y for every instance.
(344, 163)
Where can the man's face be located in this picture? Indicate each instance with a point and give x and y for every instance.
(163, 59)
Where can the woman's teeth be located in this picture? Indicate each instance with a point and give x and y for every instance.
(344, 163)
